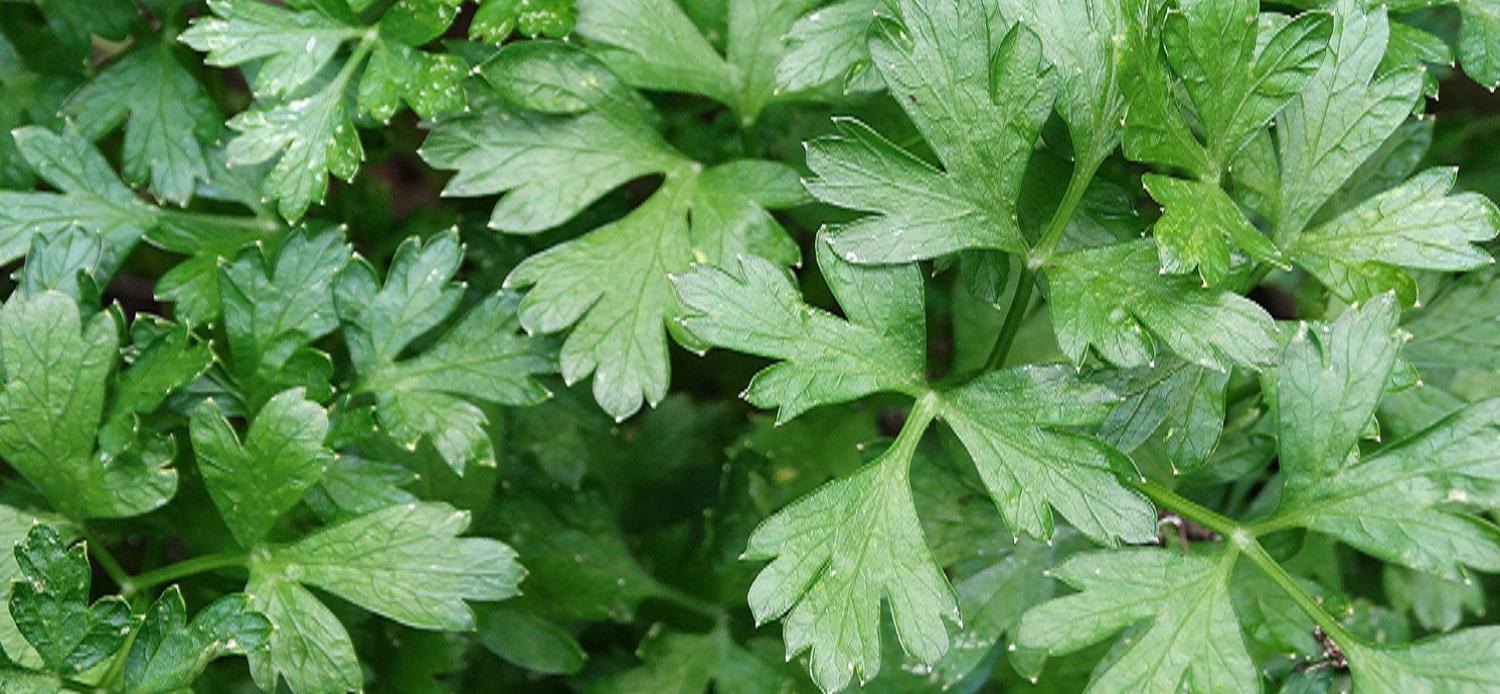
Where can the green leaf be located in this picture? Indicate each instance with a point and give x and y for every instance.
(837, 554)
(57, 368)
(823, 359)
(1197, 224)
(406, 563)
(1239, 72)
(980, 109)
(1181, 402)
(51, 606)
(993, 599)
(529, 641)
(1453, 663)
(679, 662)
(88, 195)
(1416, 226)
(254, 483)
(1479, 41)
(1459, 328)
(827, 50)
(1016, 424)
(1340, 117)
(1393, 504)
(353, 486)
(167, 115)
(1437, 604)
(652, 44)
(309, 648)
(1083, 39)
(1328, 382)
(611, 284)
(579, 565)
(1114, 299)
(415, 22)
(275, 309)
(67, 262)
(1193, 640)
(291, 46)
(430, 83)
(496, 20)
(167, 358)
(432, 394)
(15, 524)
(169, 653)
(75, 21)
(309, 138)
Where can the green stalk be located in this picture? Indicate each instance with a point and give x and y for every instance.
(106, 559)
(688, 602)
(1020, 301)
(183, 569)
(1083, 174)
(1189, 509)
(1244, 540)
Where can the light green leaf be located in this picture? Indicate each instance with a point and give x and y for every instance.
(1083, 39)
(1393, 504)
(1479, 41)
(308, 137)
(652, 44)
(14, 525)
(309, 648)
(1115, 299)
(610, 286)
(1197, 224)
(57, 367)
(837, 554)
(495, 20)
(89, 195)
(292, 46)
(167, 115)
(275, 308)
(403, 562)
(1417, 226)
(1457, 662)
(169, 653)
(979, 93)
(827, 50)
(1182, 402)
(1016, 424)
(1193, 640)
(1237, 71)
(823, 359)
(1328, 382)
(481, 358)
(431, 83)
(254, 483)
(1460, 328)
(1340, 117)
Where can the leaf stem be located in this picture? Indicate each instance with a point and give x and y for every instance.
(257, 224)
(1244, 540)
(1188, 509)
(1020, 301)
(688, 602)
(183, 569)
(106, 559)
(1308, 603)
(1083, 174)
